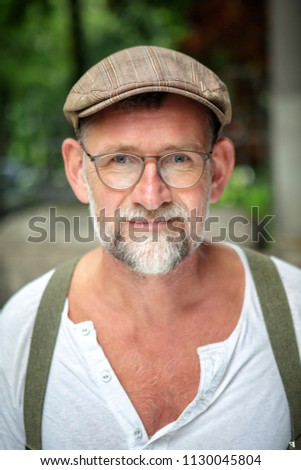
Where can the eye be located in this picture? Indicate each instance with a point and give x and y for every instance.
(179, 158)
(120, 158)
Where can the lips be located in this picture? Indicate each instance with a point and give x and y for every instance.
(145, 223)
(150, 223)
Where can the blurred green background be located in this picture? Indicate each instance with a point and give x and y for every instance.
(46, 45)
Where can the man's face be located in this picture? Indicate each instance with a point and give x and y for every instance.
(151, 227)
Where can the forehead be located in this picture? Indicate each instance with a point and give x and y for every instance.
(174, 114)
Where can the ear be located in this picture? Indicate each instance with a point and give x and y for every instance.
(73, 160)
(223, 164)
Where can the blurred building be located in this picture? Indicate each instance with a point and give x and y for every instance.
(285, 129)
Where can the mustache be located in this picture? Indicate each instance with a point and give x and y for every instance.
(163, 213)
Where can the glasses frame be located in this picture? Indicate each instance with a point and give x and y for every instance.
(205, 156)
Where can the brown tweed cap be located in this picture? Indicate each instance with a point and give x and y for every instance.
(144, 69)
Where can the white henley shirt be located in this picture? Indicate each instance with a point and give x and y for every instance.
(240, 403)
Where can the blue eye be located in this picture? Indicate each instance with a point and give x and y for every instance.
(177, 159)
(120, 159)
(180, 158)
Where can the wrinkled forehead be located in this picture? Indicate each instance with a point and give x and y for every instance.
(170, 118)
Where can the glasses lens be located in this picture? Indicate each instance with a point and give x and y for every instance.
(119, 171)
(182, 169)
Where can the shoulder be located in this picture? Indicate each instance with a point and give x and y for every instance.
(22, 307)
(17, 321)
(291, 279)
(290, 276)
(16, 327)
(289, 273)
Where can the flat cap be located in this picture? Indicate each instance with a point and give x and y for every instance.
(143, 69)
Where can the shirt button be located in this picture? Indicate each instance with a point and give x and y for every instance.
(138, 433)
(85, 331)
(106, 376)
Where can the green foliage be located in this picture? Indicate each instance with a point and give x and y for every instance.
(46, 44)
(246, 189)
(128, 24)
(38, 62)
(34, 72)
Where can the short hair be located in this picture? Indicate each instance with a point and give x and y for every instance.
(150, 100)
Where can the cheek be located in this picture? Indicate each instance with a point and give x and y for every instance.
(106, 199)
(195, 199)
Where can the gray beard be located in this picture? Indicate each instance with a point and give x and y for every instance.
(151, 257)
(147, 255)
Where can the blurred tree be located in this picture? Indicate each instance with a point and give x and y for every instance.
(46, 45)
(13, 57)
(227, 32)
(30, 45)
(77, 36)
(230, 38)
(124, 23)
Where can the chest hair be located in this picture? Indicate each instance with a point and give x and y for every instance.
(159, 384)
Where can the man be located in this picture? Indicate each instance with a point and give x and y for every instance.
(162, 343)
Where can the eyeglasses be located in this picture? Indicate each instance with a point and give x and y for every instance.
(179, 169)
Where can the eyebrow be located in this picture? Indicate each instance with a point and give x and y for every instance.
(119, 148)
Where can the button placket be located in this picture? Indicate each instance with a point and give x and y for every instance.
(110, 389)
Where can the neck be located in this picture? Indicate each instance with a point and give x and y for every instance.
(206, 292)
(152, 298)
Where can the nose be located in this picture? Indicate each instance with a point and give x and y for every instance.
(150, 191)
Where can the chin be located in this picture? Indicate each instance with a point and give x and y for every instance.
(154, 258)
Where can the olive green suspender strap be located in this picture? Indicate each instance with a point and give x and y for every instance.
(275, 309)
(41, 350)
(279, 323)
